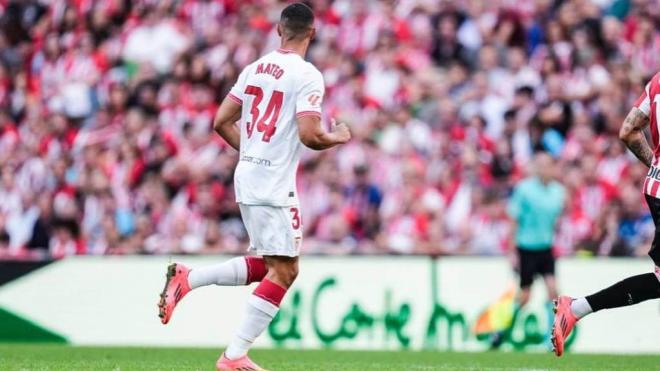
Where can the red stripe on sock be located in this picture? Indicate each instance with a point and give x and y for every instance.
(256, 269)
(270, 291)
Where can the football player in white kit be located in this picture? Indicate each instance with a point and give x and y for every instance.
(277, 103)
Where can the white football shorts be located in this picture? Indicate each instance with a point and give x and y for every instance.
(273, 230)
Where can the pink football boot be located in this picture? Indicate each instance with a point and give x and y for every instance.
(176, 287)
(241, 364)
(564, 322)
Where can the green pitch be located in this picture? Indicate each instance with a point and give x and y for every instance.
(65, 358)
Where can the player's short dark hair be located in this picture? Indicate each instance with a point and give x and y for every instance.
(296, 20)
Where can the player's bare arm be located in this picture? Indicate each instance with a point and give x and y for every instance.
(313, 135)
(224, 122)
(632, 134)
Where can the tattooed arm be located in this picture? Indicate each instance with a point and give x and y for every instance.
(632, 134)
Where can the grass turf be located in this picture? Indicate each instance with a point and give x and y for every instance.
(67, 358)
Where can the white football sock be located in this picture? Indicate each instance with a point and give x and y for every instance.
(230, 273)
(580, 307)
(259, 314)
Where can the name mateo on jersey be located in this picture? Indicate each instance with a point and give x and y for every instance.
(270, 69)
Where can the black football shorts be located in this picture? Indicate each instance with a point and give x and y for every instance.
(533, 263)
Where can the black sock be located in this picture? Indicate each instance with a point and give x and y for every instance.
(630, 291)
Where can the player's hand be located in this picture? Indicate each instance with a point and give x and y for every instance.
(341, 131)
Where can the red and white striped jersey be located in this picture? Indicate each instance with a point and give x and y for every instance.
(649, 103)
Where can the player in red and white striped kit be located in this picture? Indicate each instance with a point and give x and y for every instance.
(277, 102)
(636, 289)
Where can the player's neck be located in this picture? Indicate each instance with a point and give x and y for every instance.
(299, 48)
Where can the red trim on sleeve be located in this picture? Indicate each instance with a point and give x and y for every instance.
(235, 98)
(308, 113)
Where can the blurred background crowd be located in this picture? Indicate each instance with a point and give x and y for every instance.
(106, 144)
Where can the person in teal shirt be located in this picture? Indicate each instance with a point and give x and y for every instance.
(534, 208)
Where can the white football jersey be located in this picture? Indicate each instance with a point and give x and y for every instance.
(274, 91)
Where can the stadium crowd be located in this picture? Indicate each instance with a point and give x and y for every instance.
(106, 145)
